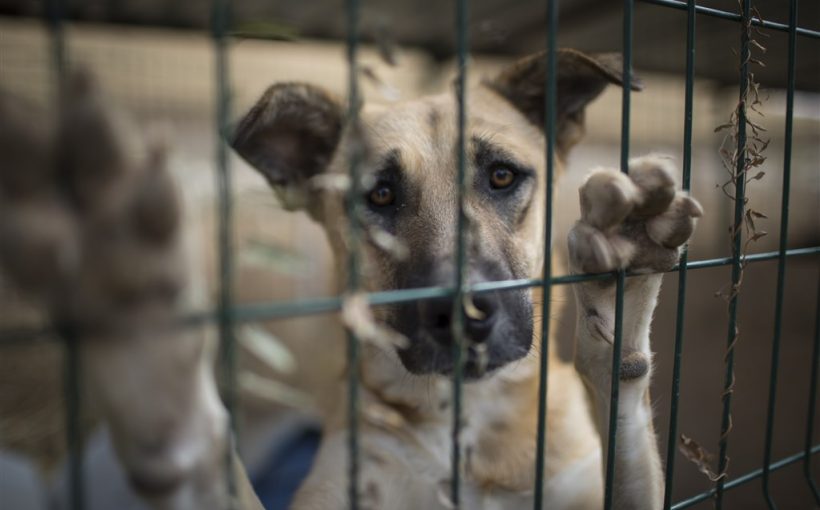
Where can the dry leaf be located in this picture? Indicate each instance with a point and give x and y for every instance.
(443, 494)
(358, 318)
(699, 456)
(481, 356)
(383, 416)
(386, 90)
(749, 219)
(386, 44)
(389, 243)
(267, 348)
(759, 46)
(331, 182)
(270, 256)
(471, 310)
(757, 235)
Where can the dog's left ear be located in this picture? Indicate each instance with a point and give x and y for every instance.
(580, 79)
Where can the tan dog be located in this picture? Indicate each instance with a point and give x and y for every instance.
(97, 243)
(297, 138)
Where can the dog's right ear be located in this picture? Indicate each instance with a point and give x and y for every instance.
(290, 136)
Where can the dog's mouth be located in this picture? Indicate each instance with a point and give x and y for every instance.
(422, 356)
(476, 363)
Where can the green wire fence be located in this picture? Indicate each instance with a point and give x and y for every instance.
(225, 318)
(353, 261)
(227, 314)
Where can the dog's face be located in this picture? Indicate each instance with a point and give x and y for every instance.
(412, 195)
(407, 155)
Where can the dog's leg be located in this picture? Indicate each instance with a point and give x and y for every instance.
(635, 222)
(89, 227)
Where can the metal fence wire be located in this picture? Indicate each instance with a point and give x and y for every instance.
(228, 315)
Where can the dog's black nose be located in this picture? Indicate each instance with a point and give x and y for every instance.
(437, 318)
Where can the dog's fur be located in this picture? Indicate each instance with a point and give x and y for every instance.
(297, 138)
(70, 238)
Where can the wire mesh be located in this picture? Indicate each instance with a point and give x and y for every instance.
(227, 314)
(67, 332)
(671, 446)
(815, 368)
(620, 281)
(781, 261)
(546, 286)
(352, 199)
(459, 339)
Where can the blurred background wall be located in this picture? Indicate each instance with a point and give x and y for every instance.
(155, 60)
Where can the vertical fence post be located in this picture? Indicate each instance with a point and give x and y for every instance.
(620, 280)
(781, 261)
(220, 23)
(461, 226)
(55, 14)
(72, 390)
(737, 260)
(546, 288)
(815, 367)
(72, 384)
(672, 439)
(353, 200)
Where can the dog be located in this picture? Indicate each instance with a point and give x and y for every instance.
(71, 232)
(297, 137)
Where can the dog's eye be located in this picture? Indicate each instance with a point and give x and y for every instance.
(382, 195)
(502, 177)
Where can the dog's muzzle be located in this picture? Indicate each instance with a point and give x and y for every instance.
(496, 326)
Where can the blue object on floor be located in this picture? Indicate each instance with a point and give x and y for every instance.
(21, 487)
(105, 480)
(289, 463)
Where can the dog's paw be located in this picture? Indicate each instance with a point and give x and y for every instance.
(636, 221)
(89, 218)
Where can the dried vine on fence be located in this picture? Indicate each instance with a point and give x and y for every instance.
(742, 162)
(751, 155)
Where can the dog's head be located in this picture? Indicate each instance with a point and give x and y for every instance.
(297, 137)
